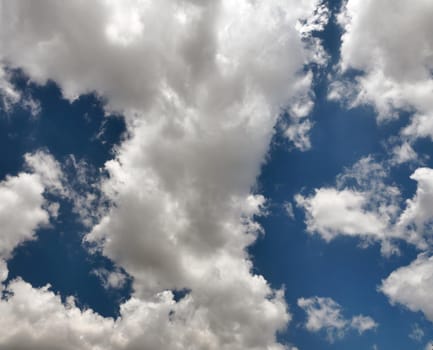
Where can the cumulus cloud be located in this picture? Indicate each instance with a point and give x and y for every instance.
(392, 78)
(201, 85)
(23, 208)
(411, 286)
(417, 217)
(361, 204)
(331, 212)
(365, 205)
(35, 318)
(326, 314)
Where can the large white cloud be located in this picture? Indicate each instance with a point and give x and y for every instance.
(201, 85)
(411, 286)
(396, 69)
(35, 318)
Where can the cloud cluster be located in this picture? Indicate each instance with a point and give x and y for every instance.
(36, 318)
(201, 85)
(395, 70)
(326, 314)
(364, 205)
(392, 74)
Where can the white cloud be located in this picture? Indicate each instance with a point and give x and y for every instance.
(417, 218)
(201, 85)
(35, 318)
(10, 97)
(22, 204)
(288, 207)
(395, 69)
(111, 279)
(331, 212)
(411, 286)
(404, 153)
(361, 204)
(326, 314)
(363, 323)
(49, 170)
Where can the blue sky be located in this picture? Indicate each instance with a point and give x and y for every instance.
(220, 175)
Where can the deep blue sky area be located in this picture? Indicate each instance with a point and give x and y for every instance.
(286, 255)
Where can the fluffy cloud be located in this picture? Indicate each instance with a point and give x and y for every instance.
(362, 204)
(23, 208)
(411, 286)
(395, 69)
(331, 212)
(417, 218)
(326, 314)
(201, 85)
(35, 318)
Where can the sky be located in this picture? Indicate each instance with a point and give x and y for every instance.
(203, 175)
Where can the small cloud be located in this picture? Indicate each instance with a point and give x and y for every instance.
(326, 314)
(363, 323)
(115, 279)
(289, 210)
(417, 333)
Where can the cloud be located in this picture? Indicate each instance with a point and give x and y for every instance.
(201, 86)
(11, 97)
(331, 212)
(417, 217)
(361, 204)
(390, 77)
(48, 169)
(364, 205)
(417, 333)
(363, 323)
(111, 279)
(411, 286)
(325, 314)
(288, 207)
(23, 208)
(36, 318)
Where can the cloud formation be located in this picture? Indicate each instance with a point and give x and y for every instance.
(23, 208)
(395, 70)
(326, 314)
(201, 86)
(411, 286)
(365, 205)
